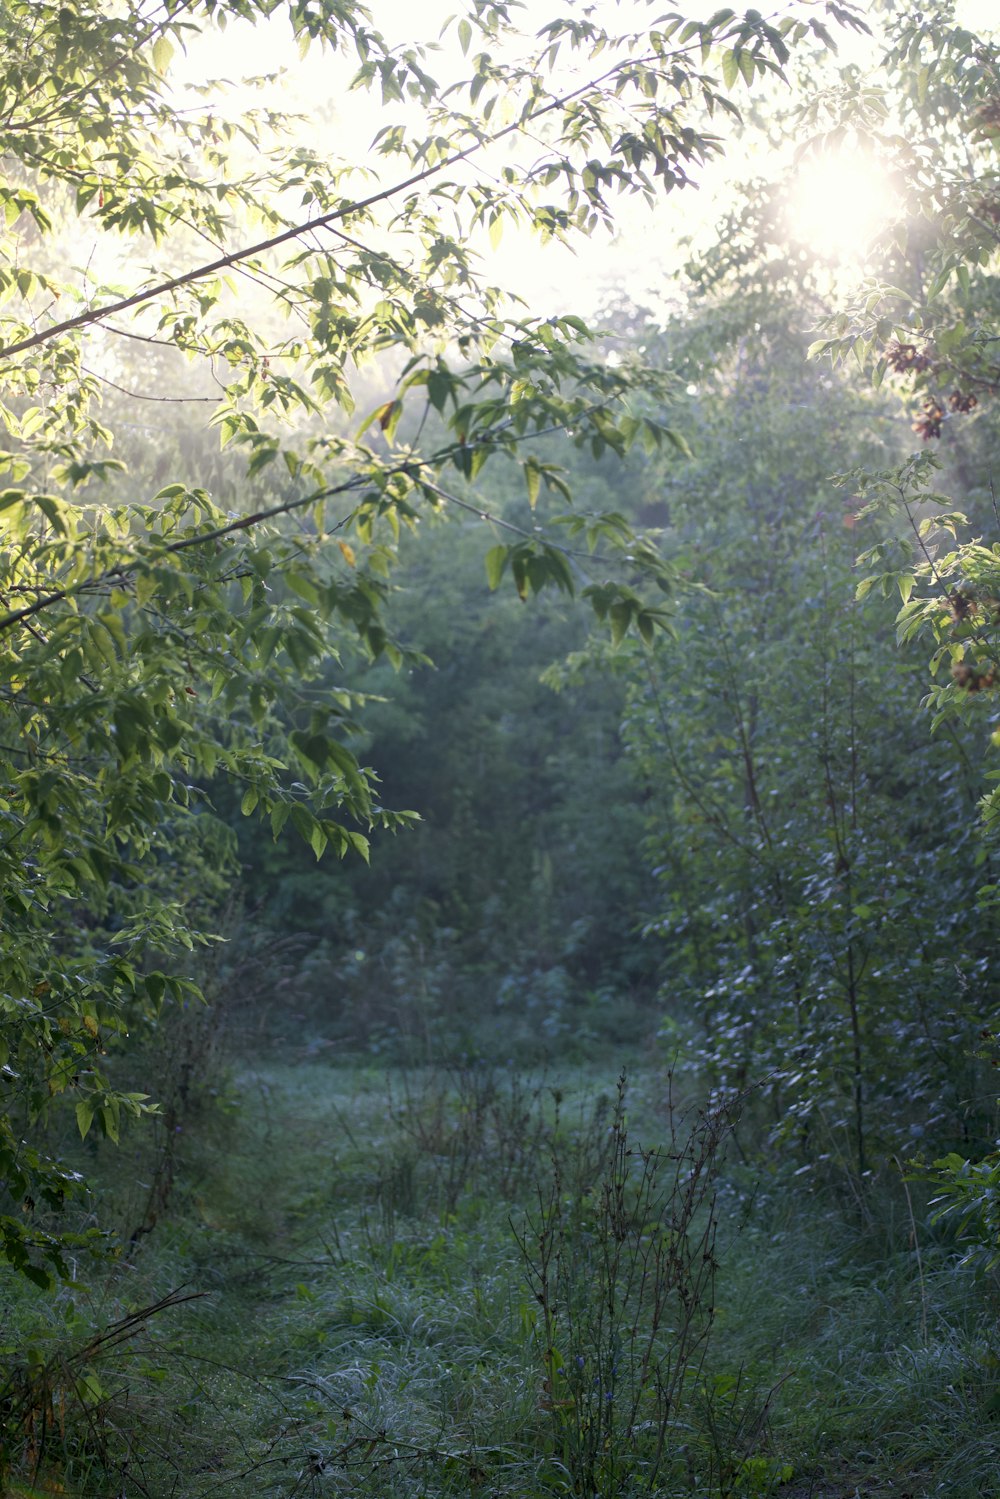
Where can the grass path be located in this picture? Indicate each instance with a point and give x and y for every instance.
(370, 1318)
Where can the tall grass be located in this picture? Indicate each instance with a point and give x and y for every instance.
(472, 1281)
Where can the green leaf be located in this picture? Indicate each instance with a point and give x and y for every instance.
(85, 1111)
(360, 845)
(620, 616)
(162, 53)
(156, 984)
(496, 563)
(439, 387)
(533, 480)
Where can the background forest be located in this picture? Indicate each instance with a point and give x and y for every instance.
(498, 783)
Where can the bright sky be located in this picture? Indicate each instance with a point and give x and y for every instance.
(554, 278)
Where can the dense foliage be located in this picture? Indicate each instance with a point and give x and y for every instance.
(155, 635)
(308, 735)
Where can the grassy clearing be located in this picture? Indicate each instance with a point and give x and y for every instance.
(475, 1282)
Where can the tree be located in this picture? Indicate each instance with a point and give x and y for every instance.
(149, 639)
(818, 928)
(927, 325)
(822, 901)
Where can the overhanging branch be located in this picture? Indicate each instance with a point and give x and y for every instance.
(296, 231)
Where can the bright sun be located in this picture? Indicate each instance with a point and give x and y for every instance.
(839, 202)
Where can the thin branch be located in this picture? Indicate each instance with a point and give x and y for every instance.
(136, 395)
(121, 570)
(507, 525)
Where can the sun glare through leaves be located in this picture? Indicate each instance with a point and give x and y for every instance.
(839, 203)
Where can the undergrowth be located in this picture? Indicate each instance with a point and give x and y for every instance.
(472, 1281)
